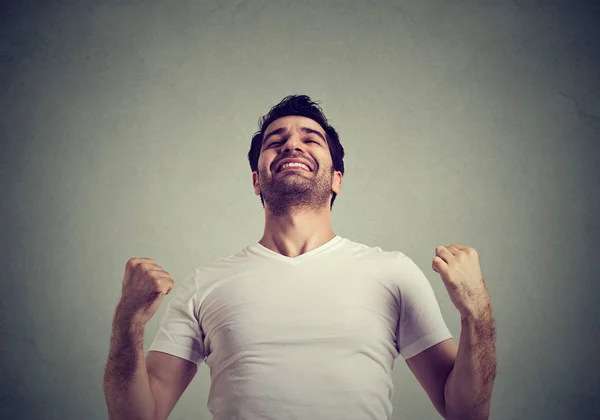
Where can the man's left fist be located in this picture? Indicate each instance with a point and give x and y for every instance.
(458, 266)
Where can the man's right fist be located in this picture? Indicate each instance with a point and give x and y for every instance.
(145, 284)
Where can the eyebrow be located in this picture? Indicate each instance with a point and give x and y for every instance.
(303, 129)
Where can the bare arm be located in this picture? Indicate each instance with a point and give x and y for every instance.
(169, 376)
(142, 388)
(126, 384)
(138, 388)
(468, 389)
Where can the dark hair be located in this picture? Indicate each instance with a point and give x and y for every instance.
(303, 106)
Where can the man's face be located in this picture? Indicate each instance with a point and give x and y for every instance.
(287, 190)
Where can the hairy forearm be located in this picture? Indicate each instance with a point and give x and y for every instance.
(126, 385)
(468, 390)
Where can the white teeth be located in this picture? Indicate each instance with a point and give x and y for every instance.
(300, 165)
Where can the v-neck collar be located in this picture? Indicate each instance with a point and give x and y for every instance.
(260, 249)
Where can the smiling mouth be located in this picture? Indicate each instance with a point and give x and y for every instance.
(293, 168)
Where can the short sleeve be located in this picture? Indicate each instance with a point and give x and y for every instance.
(420, 324)
(179, 331)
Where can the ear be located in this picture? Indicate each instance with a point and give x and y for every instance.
(337, 182)
(255, 183)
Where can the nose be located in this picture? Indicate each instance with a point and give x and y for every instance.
(292, 142)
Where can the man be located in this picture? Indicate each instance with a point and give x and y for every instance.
(303, 324)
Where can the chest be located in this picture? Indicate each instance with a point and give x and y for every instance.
(335, 309)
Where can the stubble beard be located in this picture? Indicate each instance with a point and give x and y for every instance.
(290, 194)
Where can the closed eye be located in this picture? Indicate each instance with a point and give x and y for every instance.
(279, 142)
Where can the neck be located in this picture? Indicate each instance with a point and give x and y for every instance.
(296, 234)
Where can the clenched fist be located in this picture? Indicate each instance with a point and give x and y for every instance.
(145, 284)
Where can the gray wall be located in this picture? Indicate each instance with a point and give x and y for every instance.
(125, 130)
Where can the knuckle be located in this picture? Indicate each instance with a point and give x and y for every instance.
(133, 261)
(146, 266)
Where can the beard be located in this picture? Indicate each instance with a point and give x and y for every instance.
(294, 192)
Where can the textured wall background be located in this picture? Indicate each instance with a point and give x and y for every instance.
(125, 129)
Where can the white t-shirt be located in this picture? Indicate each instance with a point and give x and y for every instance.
(311, 337)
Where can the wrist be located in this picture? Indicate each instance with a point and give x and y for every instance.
(126, 320)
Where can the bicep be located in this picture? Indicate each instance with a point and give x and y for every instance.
(169, 376)
(431, 367)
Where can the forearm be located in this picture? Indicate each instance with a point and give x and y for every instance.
(126, 385)
(468, 390)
